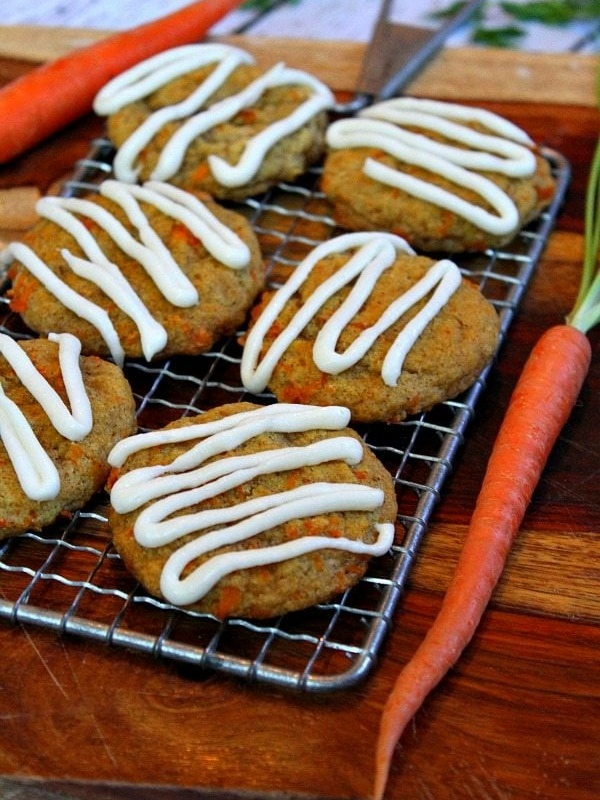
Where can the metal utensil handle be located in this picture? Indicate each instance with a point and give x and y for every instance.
(412, 67)
(396, 53)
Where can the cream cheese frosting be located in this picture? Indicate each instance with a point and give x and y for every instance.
(34, 468)
(197, 476)
(370, 255)
(145, 78)
(505, 149)
(147, 249)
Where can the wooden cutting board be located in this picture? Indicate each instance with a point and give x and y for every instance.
(456, 73)
(517, 717)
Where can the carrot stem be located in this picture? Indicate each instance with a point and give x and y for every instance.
(538, 409)
(586, 311)
(51, 96)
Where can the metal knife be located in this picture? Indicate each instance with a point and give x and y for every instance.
(397, 52)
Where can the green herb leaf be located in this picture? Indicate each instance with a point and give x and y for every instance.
(498, 37)
(453, 8)
(448, 11)
(546, 12)
(264, 5)
(553, 12)
(549, 12)
(585, 9)
(259, 4)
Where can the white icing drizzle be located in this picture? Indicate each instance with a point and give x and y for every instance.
(383, 126)
(34, 468)
(188, 480)
(149, 251)
(220, 241)
(149, 75)
(153, 528)
(437, 115)
(227, 61)
(257, 148)
(159, 70)
(293, 417)
(375, 252)
(306, 502)
(71, 299)
(111, 281)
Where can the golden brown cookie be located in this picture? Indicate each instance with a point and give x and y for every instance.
(250, 511)
(443, 176)
(205, 117)
(137, 271)
(366, 323)
(63, 460)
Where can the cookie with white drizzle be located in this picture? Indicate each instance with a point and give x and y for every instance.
(60, 415)
(250, 510)
(364, 321)
(206, 117)
(138, 271)
(446, 177)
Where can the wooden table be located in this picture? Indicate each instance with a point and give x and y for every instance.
(516, 719)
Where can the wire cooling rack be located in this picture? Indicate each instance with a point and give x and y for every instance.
(70, 579)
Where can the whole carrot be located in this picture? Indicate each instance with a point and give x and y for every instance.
(539, 407)
(50, 96)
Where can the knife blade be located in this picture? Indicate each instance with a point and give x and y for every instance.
(397, 52)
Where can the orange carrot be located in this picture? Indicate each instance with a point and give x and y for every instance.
(49, 97)
(539, 407)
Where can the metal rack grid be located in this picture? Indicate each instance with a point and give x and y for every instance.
(69, 578)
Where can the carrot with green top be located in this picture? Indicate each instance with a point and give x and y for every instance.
(538, 409)
(49, 97)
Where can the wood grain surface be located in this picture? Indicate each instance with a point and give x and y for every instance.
(516, 718)
(456, 73)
